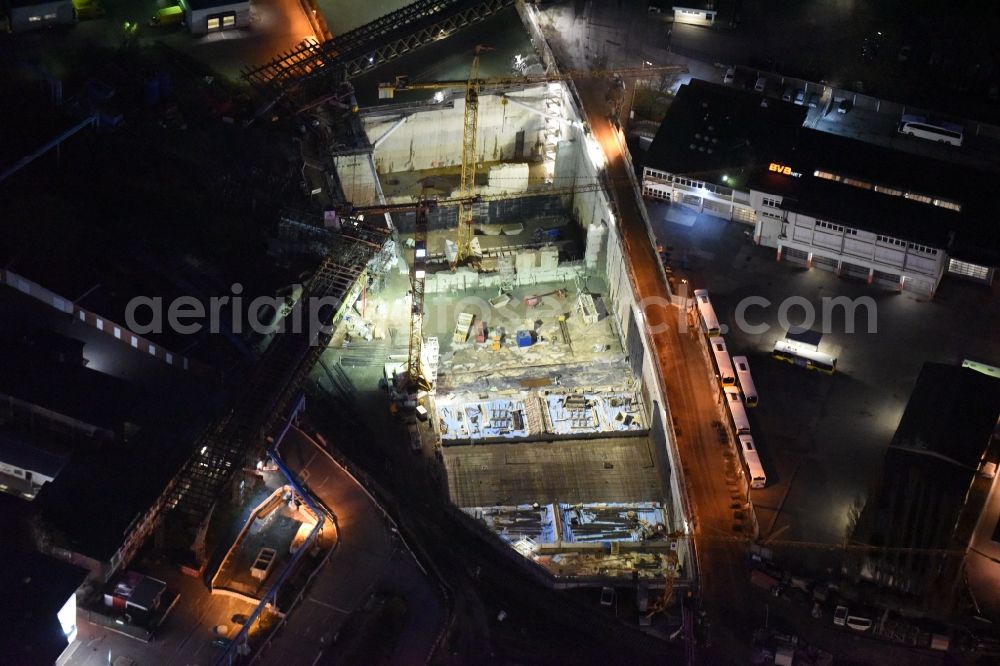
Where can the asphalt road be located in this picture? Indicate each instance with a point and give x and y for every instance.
(689, 386)
(368, 555)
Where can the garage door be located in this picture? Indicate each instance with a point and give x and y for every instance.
(972, 271)
(853, 271)
(690, 200)
(887, 280)
(743, 214)
(716, 208)
(916, 286)
(794, 256)
(824, 263)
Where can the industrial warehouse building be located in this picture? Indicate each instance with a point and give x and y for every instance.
(936, 478)
(894, 219)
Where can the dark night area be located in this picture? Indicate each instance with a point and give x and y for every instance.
(499, 332)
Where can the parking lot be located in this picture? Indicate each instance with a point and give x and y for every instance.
(863, 118)
(822, 438)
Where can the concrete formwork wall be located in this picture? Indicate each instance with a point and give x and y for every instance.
(357, 178)
(588, 207)
(432, 139)
(594, 208)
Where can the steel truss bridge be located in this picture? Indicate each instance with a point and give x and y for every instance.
(276, 379)
(312, 69)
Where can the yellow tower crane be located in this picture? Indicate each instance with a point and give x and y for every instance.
(473, 87)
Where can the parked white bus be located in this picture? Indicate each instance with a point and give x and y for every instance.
(745, 380)
(751, 462)
(941, 132)
(723, 366)
(709, 322)
(737, 413)
(807, 358)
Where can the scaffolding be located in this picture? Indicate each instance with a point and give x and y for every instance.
(277, 377)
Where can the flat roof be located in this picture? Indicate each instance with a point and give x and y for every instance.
(100, 495)
(35, 588)
(751, 137)
(104, 488)
(883, 214)
(28, 452)
(952, 413)
(85, 395)
(711, 128)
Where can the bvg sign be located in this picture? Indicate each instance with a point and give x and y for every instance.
(783, 169)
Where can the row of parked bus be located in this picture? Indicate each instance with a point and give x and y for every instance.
(737, 387)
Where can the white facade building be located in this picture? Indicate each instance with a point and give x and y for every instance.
(851, 251)
(897, 221)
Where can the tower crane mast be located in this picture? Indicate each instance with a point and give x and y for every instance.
(470, 126)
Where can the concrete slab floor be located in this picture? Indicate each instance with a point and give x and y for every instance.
(586, 343)
(621, 469)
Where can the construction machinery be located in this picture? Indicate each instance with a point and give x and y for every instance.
(415, 377)
(474, 85)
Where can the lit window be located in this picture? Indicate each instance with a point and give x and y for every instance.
(918, 197)
(888, 190)
(950, 205)
(968, 270)
(213, 23)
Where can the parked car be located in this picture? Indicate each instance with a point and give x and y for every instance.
(859, 623)
(730, 75)
(607, 596)
(800, 96)
(787, 95)
(844, 106)
(761, 84)
(840, 616)
(813, 101)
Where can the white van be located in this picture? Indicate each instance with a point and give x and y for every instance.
(761, 84)
(859, 623)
